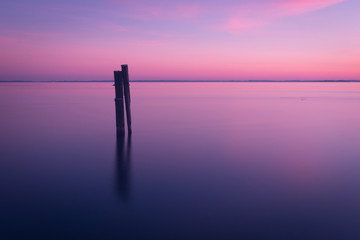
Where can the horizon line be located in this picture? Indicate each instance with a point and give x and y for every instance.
(182, 81)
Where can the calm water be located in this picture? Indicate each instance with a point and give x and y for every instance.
(205, 161)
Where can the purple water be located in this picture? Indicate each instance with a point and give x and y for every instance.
(205, 161)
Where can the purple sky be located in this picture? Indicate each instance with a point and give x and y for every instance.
(188, 40)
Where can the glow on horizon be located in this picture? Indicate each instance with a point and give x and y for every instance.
(180, 40)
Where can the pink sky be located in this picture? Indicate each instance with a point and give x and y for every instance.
(180, 40)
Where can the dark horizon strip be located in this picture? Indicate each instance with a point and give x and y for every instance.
(184, 81)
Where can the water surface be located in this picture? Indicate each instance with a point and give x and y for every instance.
(205, 161)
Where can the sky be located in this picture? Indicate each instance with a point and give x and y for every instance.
(180, 40)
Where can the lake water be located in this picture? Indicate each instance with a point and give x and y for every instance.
(205, 161)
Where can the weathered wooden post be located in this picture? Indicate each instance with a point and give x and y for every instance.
(119, 102)
(125, 74)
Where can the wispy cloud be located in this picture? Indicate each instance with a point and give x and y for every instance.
(294, 7)
(4, 41)
(117, 28)
(176, 12)
(238, 25)
(149, 43)
(21, 34)
(189, 11)
(253, 16)
(226, 17)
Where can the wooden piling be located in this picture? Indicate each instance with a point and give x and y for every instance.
(125, 76)
(119, 102)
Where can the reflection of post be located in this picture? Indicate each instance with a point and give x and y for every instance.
(125, 74)
(123, 160)
(119, 102)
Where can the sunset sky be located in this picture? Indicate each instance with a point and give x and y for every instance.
(180, 40)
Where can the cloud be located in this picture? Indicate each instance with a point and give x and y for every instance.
(294, 7)
(189, 11)
(22, 34)
(223, 16)
(117, 28)
(146, 43)
(4, 41)
(253, 16)
(238, 25)
(158, 10)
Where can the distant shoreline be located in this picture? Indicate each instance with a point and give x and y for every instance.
(187, 81)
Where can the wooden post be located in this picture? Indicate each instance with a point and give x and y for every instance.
(119, 102)
(125, 74)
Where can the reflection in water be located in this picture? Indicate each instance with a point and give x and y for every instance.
(123, 161)
(213, 161)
